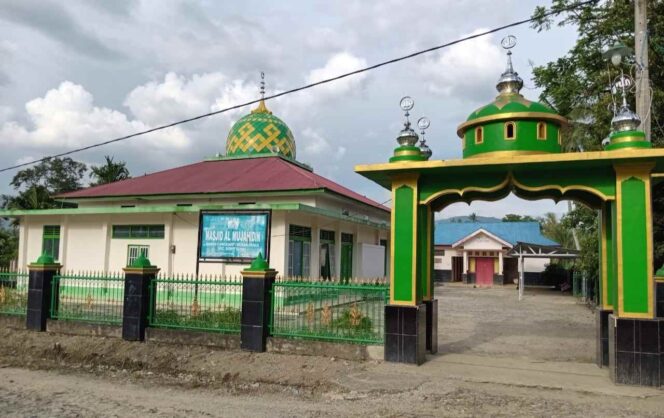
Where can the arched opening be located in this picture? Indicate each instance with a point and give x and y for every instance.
(510, 131)
(479, 135)
(473, 249)
(541, 131)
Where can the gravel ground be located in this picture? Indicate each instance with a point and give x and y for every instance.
(498, 357)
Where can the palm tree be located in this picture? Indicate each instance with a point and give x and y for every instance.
(109, 172)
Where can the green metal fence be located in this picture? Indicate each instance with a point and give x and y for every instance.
(337, 310)
(209, 303)
(13, 292)
(89, 297)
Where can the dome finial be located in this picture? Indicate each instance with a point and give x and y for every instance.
(624, 119)
(407, 137)
(261, 105)
(509, 82)
(423, 123)
(262, 85)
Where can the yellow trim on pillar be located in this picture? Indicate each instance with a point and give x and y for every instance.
(409, 180)
(605, 265)
(642, 172)
(429, 265)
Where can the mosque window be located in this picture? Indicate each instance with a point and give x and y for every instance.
(135, 251)
(541, 131)
(138, 231)
(299, 250)
(51, 241)
(479, 135)
(510, 130)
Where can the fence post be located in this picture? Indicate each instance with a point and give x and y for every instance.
(40, 292)
(257, 281)
(136, 308)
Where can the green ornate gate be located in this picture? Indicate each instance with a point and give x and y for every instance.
(513, 145)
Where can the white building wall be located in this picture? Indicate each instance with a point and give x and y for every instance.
(482, 242)
(84, 244)
(86, 241)
(372, 259)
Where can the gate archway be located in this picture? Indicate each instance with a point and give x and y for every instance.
(513, 145)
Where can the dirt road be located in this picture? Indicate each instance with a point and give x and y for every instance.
(498, 357)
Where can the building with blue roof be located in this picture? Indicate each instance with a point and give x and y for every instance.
(477, 252)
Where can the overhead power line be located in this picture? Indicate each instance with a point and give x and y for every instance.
(307, 86)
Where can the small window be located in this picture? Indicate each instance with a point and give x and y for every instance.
(135, 251)
(560, 138)
(299, 250)
(479, 135)
(138, 231)
(541, 131)
(51, 241)
(510, 131)
(327, 236)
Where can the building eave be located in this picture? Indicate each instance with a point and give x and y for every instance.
(148, 209)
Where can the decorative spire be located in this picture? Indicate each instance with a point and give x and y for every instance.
(407, 136)
(625, 119)
(261, 105)
(423, 123)
(509, 82)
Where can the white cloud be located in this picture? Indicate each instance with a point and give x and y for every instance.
(66, 117)
(338, 64)
(314, 145)
(175, 98)
(468, 70)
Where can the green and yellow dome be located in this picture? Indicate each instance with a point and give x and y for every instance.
(260, 132)
(511, 124)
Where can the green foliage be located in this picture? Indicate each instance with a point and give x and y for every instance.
(36, 185)
(350, 323)
(554, 274)
(556, 230)
(512, 217)
(109, 172)
(577, 86)
(585, 222)
(228, 318)
(12, 299)
(8, 246)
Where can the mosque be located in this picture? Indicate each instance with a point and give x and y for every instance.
(215, 216)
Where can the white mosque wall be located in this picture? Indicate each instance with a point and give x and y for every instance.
(86, 242)
(372, 259)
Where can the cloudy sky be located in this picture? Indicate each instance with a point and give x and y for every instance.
(77, 72)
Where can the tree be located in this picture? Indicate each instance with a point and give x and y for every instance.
(556, 230)
(37, 185)
(577, 85)
(512, 217)
(109, 172)
(472, 217)
(8, 246)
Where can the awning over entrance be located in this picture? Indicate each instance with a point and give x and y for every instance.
(524, 249)
(527, 250)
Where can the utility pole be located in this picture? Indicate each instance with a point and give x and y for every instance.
(643, 99)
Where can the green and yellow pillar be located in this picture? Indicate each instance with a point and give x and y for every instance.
(405, 315)
(633, 330)
(634, 248)
(608, 280)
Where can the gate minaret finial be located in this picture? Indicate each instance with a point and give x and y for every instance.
(509, 82)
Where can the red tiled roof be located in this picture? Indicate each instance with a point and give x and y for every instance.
(222, 176)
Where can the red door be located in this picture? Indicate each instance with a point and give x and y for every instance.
(484, 271)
